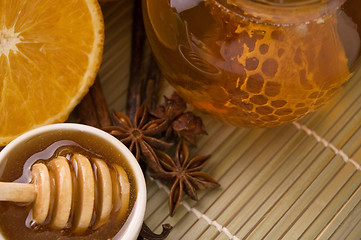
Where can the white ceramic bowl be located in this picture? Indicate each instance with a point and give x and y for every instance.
(130, 230)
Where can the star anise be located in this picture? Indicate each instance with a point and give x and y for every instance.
(183, 124)
(184, 173)
(141, 136)
(173, 107)
(187, 126)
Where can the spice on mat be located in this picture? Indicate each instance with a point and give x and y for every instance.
(93, 109)
(185, 175)
(137, 62)
(147, 234)
(151, 133)
(140, 136)
(183, 124)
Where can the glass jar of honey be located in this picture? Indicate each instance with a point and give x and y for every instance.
(255, 63)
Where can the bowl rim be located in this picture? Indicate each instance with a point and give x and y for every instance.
(137, 215)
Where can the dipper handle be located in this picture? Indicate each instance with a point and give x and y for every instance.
(17, 192)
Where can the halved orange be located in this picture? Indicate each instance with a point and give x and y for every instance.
(50, 52)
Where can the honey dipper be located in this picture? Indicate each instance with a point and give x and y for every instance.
(57, 192)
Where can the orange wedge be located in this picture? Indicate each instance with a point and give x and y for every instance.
(50, 52)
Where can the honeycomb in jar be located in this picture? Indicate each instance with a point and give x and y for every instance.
(279, 73)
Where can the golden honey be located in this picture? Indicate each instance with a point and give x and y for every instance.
(255, 63)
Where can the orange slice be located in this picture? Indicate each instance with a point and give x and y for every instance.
(50, 52)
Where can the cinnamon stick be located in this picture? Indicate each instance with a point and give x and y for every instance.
(86, 111)
(135, 82)
(100, 104)
(93, 109)
(152, 83)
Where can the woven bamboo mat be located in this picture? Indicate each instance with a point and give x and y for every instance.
(299, 181)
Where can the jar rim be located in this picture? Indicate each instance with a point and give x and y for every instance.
(290, 3)
(282, 12)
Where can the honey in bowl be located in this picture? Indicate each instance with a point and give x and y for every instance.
(75, 149)
(255, 63)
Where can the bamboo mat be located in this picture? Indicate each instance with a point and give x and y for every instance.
(299, 181)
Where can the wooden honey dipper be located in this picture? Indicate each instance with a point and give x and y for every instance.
(56, 192)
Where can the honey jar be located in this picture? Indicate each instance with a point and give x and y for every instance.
(255, 63)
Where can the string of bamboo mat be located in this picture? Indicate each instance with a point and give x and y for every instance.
(301, 180)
